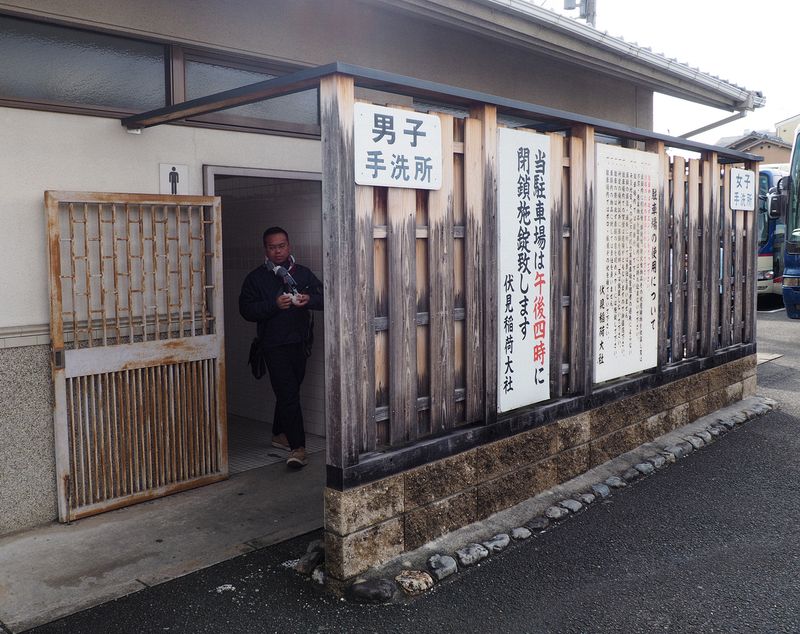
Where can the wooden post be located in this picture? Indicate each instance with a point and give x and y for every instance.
(692, 258)
(664, 220)
(401, 247)
(488, 116)
(474, 304)
(751, 258)
(726, 219)
(710, 248)
(556, 248)
(678, 253)
(441, 271)
(582, 174)
(365, 292)
(345, 318)
(740, 266)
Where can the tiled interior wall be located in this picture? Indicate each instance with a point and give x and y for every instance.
(249, 206)
(368, 525)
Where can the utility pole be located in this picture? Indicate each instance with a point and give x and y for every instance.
(588, 9)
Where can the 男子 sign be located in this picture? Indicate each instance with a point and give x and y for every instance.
(397, 148)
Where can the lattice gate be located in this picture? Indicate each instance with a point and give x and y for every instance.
(138, 352)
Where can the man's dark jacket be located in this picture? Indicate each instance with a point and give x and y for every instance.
(257, 302)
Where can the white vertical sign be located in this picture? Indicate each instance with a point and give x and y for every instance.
(523, 263)
(173, 179)
(743, 189)
(626, 262)
(397, 148)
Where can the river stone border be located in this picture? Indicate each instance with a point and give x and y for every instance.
(446, 556)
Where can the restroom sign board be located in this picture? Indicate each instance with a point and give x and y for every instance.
(743, 189)
(397, 148)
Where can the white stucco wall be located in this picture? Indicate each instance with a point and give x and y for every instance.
(41, 151)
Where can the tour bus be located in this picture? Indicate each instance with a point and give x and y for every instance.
(771, 232)
(784, 202)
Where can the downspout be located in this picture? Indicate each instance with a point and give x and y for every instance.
(716, 124)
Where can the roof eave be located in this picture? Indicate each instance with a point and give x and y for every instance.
(523, 23)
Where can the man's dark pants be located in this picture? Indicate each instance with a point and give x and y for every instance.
(287, 368)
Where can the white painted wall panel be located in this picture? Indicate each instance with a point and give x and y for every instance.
(43, 151)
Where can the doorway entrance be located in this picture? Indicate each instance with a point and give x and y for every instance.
(253, 200)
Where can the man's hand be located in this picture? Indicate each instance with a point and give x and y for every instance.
(284, 301)
(301, 299)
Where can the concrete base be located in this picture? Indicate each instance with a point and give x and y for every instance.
(519, 515)
(56, 570)
(369, 525)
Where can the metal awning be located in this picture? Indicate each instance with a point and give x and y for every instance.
(543, 117)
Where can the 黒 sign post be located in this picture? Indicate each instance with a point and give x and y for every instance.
(626, 262)
(523, 263)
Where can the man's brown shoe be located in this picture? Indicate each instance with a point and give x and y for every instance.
(297, 458)
(281, 442)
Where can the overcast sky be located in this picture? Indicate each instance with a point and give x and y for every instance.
(747, 43)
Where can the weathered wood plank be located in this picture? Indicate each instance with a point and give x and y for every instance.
(582, 169)
(664, 254)
(740, 265)
(678, 256)
(556, 274)
(401, 208)
(713, 245)
(365, 345)
(725, 264)
(473, 282)
(343, 316)
(706, 272)
(693, 265)
(487, 114)
(60, 413)
(441, 271)
(751, 257)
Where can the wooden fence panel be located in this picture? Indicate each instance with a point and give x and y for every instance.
(441, 304)
(487, 115)
(431, 293)
(343, 315)
(693, 262)
(365, 340)
(707, 303)
(726, 263)
(401, 238)
(679, 257)
(739, 276)
(751, 257)
(557, 277)
(473, 282)
(580, 263)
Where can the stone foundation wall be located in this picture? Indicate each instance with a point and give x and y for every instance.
(373, 523)
(27, 445)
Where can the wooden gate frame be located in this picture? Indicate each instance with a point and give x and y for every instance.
(165, 353)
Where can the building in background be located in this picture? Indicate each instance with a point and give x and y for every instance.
(774, 149)
(73, 69)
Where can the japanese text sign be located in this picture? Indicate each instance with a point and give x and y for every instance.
(523, 264)
(397, 148)
(626, 262)
(743, 189)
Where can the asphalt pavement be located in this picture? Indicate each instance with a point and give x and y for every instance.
(710, 544)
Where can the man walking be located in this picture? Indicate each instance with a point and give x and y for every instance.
(278, 296)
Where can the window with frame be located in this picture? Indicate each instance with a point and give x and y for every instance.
(46, 64)
(53, 67)
(202, 74)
